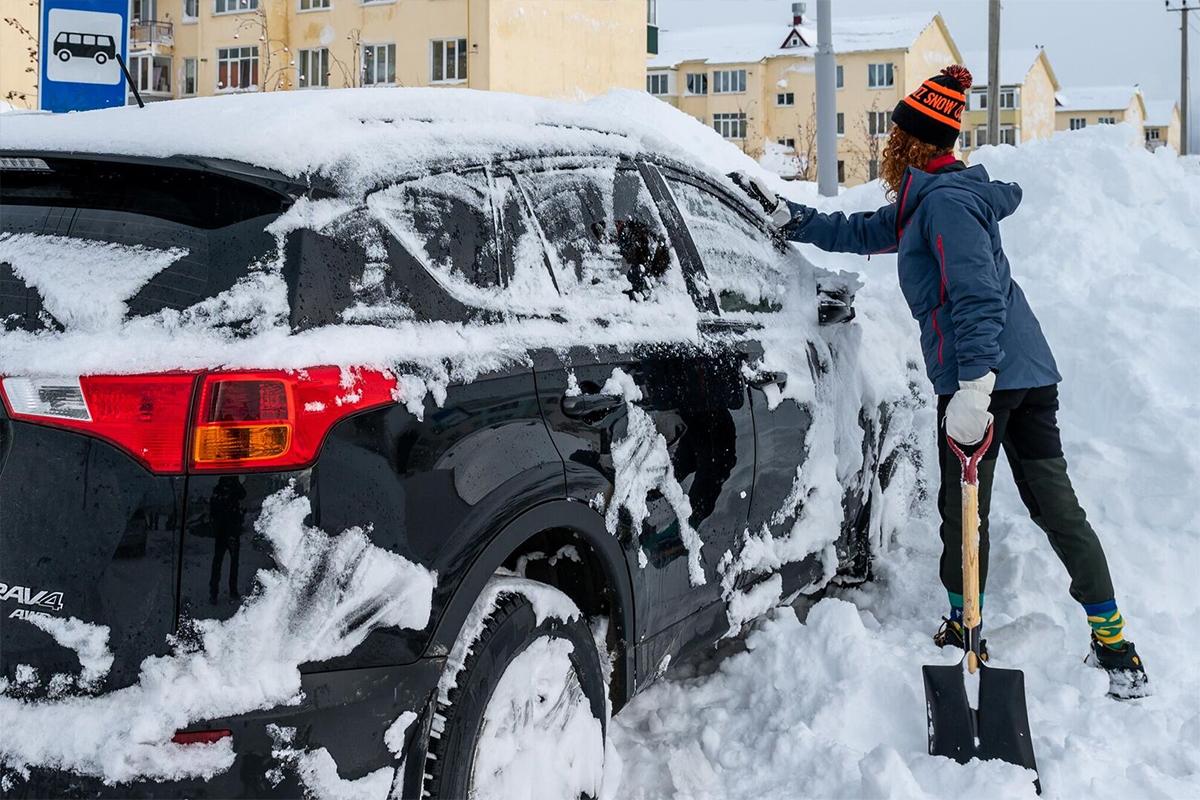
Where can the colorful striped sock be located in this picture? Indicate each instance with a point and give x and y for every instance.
(1107, 623)
(956, 607)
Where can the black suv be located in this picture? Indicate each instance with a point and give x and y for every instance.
(527, 485)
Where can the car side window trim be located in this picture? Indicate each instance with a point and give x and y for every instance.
(681, 239)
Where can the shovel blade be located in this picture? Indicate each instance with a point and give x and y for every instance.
(999, 729)
(951, 718)
(1003, 719)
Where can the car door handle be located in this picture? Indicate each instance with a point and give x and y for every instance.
(766, 378)
(585, 406)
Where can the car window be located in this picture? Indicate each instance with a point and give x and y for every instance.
(745, 268)
(447, 222)
(602, 233)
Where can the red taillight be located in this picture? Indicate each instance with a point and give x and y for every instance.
(266, 419)
(201, 737)
(145, 415)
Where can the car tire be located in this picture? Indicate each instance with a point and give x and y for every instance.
(481, 721)
(64, 55)
(101, 58)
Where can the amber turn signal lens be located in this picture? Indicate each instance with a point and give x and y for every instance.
(216, 443)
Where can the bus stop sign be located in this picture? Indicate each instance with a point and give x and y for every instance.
(80, 42)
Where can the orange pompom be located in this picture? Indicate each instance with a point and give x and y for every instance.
(960, 74)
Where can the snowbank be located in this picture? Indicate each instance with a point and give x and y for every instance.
(1106, 245)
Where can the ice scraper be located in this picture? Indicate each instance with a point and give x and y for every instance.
(999, 727)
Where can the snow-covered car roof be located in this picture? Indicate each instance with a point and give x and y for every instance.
(360, 137)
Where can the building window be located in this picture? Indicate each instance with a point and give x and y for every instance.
(189, 77)
(964, 140)
(840, 80)
(237, 68)
(651, 12)
(379, 64)
(880, 76)
(1153, 134)
(790, 144)
(449, 60)
(1008, 97)
(313, 5)
(1077, 123)
(729, 81)
(313, 68)
(658, 83)
(152, 74)
(841, 124)
(979, 99)
(841, 171)
(1106, 120)
(785, 99)
(872, 169)
(191, 10)
(234, 6)
(731, 126)
(1010, 135)
(697, 83)
(877, 123)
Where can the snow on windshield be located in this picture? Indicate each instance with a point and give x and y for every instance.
(84, 283)
(324, 596)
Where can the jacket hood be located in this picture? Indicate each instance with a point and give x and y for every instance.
(1003, 198)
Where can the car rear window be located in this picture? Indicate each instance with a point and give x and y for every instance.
(200, 231)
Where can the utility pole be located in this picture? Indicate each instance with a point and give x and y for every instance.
(827, 179)
(993, 78)
(1183, 72)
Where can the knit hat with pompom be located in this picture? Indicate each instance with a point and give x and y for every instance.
(933, 113)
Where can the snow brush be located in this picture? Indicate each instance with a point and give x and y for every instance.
(999, 726)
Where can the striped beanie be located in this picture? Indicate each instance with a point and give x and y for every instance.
(933, 113)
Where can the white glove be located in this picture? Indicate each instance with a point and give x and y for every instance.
(777, 210)
(967, 415)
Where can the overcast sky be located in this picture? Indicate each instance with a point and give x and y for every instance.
(1089, 42)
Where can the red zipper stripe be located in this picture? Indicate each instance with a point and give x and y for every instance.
(941, 298)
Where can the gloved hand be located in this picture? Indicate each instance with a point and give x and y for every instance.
(777, 210)
(967, 415)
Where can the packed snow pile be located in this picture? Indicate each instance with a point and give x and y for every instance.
(1107, 247)
(323, 598)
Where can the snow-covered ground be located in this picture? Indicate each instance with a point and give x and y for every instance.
(1107, 246)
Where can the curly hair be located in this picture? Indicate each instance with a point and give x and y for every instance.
(905, 150)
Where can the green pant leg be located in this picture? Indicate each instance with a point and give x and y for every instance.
(1046, 490)
(951, 529)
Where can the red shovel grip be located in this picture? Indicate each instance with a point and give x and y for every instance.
(970, 463)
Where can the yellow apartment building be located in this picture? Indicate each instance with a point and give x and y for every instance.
(1079, 107)
(755, 84)
(18, 52)
(1162, 124)
(553, 48)
(1027, 90)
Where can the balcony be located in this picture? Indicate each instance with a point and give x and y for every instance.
(146, 33)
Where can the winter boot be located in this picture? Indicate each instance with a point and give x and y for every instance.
(1126, 676)
(951, 633)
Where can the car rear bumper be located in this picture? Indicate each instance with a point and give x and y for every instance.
(346, 712)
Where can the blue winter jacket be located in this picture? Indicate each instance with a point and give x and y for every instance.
(945, 229)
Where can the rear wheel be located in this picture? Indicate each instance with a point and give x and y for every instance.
(528, 706)
(101, 58)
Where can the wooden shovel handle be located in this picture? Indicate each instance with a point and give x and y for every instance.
(970, 541)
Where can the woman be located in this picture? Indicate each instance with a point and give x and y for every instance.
(984, 350)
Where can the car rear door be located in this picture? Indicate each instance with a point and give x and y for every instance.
(632, 390)
(89, 529)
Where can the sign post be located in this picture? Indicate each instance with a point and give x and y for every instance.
(83, 43)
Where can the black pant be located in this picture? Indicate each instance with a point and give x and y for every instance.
(1027, 429)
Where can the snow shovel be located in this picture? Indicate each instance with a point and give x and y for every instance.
(999, 728)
